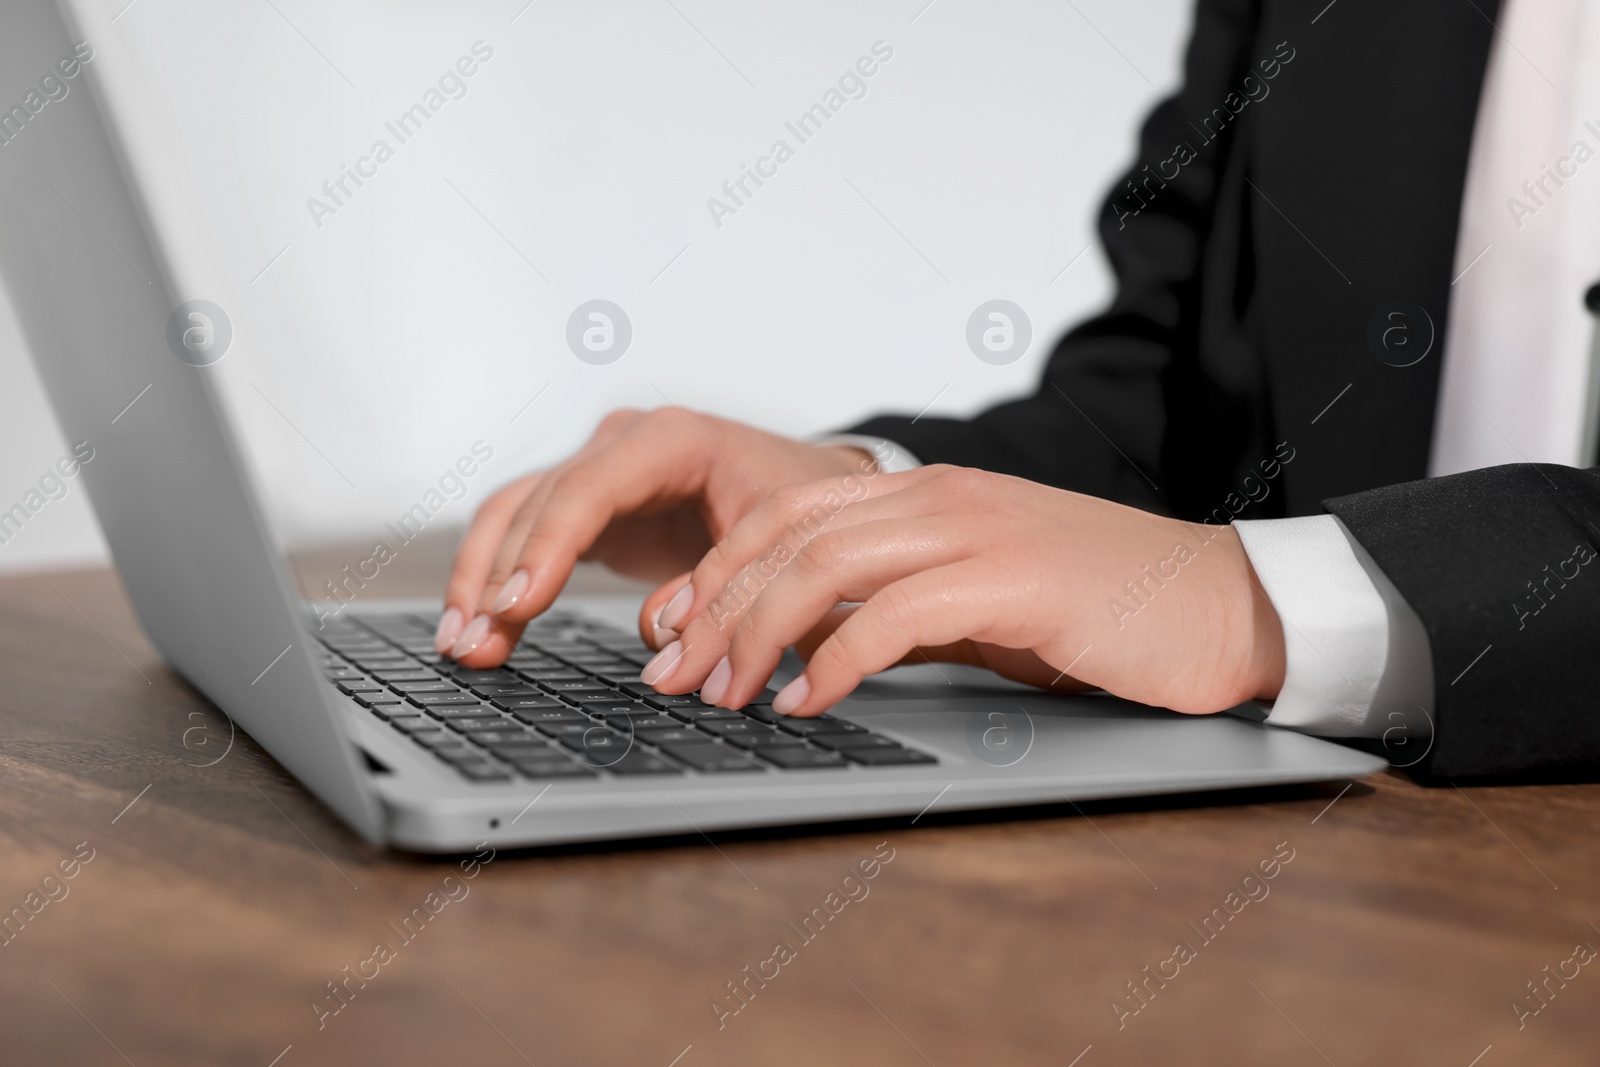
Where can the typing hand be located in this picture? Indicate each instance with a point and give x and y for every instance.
(648, 495)
(1042, 585)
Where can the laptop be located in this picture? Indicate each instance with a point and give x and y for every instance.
(561, 744)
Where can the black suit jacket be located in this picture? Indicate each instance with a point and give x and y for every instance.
(1283, 243)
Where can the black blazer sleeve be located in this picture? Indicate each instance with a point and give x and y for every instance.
(1120, 385)
(1503, 567)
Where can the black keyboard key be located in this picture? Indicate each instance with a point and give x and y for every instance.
(431, 700)
(678, 735)
(377, 700)
(800, 758)
(556, 674)
(430, 737)
(541, 770)
(888, 757)
(467, 676)
(637, 689)
(351, 688)
(535, 716)
(637, 762)
(704, 714)
(599, 747)
(626, 708)
(810, 727)
(710, 756)
(763, 739)
(488, 692)
(641, 722)
(506, 738)
(345, 674)
(460, 752)
(436, 685)
(597, 697)
(384, 663)
(483, 772)
(461, 711)
(577, 685)
(667, 701)
(862, 740)
(527, 703)
(408, 723)
(476, 723)
(730, 727)
(419, 675)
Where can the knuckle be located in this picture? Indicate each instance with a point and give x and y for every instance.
(823, 555)
(832, 657)
(896, 603)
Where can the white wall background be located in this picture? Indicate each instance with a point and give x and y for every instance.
(373, 351)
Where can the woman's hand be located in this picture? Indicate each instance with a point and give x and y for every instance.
(947, 563)
(647, 495)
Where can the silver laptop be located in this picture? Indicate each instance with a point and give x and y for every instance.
(563, 743)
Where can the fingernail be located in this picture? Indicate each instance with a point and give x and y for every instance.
(665, 636)
(677, 610)
(662, 665)
(791, 696)
(477, 630)
(449, 629)
(713, 688)
(511, 592)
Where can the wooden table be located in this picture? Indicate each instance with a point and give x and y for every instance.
(220, 899)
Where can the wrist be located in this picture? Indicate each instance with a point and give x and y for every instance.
(1256, 626)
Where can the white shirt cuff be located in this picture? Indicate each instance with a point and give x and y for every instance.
(1357, 658)
(892, 459)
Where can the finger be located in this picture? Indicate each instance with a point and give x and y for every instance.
(655, 635)
(848, 565)
(474, 557)
(1019, 664)
(778, 527)
(491, 526)
(658, 461)
(930, 608)
(611, 428)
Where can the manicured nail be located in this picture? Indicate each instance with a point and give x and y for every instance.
(713, 688)
(664, 636)
(664, 663)
(791, 696)
(511, 592)
(450, 624)
(476, 633)
(676, 612)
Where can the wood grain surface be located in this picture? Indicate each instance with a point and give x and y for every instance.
(220, 899)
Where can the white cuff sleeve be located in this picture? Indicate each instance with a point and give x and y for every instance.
(892, 459)
(1357, 659)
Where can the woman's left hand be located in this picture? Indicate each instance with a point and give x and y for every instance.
(948, 563)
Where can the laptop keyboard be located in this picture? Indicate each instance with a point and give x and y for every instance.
(569, 704)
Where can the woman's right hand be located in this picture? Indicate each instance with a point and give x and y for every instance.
(648, 495)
